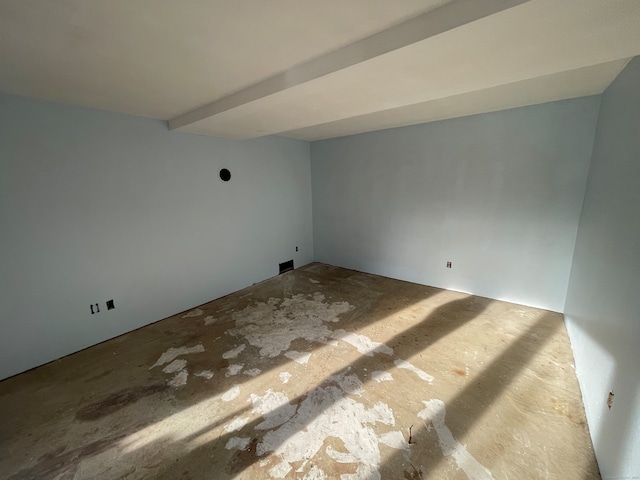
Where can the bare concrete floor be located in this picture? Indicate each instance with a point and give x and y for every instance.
(318, 373)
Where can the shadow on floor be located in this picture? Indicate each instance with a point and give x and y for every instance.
(440, 323)
(370, 294)
(472, 402)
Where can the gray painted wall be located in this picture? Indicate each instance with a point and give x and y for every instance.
(603, 300)
(497, 194)
(96, 205)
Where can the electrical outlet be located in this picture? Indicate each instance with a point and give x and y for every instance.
(296, 248)
(110, 305)
(448, 264)
(94, 308)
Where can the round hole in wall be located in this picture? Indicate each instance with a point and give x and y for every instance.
(225, 175)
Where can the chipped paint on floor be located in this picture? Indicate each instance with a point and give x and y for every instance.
(435, 412)
(231, 394)
(233, 353)
(196, 312)
(237, 443)
(179, 379)
(274, 407)
(361, 343)
(175, 366)
(408, 366)
(394, 439)
(298, 357)
(208, 374)
(173, 353)
(379, 376)
(272, 326)
(319, 373)
(325, 413)
(234, 370)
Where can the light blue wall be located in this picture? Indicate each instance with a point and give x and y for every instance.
(96, 205)
(603, 300)
(497, 194)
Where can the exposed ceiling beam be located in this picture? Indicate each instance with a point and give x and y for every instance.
(532, 91)
(429, 24)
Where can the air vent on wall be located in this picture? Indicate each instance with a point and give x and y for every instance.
(286, 266)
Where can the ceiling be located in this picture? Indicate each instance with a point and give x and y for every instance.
(312, 69)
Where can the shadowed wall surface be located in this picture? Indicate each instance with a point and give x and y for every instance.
(497, 194)
(97, 206)
(603, 305)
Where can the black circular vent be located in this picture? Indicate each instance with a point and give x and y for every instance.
(225, 175)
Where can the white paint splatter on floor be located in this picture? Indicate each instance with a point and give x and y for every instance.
(209, 320)
(274, 407)
(272, 329)
(298, 357)
(236, 424)
(408, 366)
(280, 470)
(233, 370)
(382, 413)
(173, 353)
(180, 379)
(380, 376)
(208, 374)
(435, 412)
(315, 473)
(349, 383)
(196, 312)
(238, 443)
(362, 343)
(231, 394)
(324, 413)
(297, 432)
(235, 352)
(175, 366)
(394, 440)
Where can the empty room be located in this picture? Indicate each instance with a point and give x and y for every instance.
(357, 239)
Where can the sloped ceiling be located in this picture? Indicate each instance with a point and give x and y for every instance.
(312, 69)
